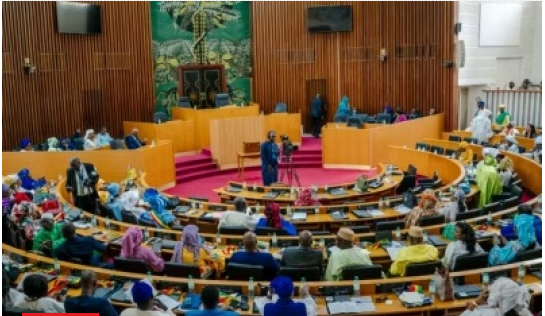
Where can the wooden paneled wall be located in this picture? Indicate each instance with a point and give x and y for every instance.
(81, 81)
(291, 64)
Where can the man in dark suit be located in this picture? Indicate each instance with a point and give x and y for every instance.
(316, 114)
(132, 141)
(304, 255)
(81, 179)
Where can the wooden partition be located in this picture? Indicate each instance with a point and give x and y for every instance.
(157, 161)
(227, 135)
(348, 147)
(202, 118)
(525, 142)
(529, 171)
(180, 133)
(449, 170)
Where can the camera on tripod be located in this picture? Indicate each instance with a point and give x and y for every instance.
(287, 147)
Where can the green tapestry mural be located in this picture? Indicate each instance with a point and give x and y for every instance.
(208, 32)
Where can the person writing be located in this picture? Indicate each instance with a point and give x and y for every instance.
(270, 154)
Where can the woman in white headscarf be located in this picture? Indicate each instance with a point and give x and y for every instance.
(504, 297)
(512, 144)
(90, 142)
(53, 144)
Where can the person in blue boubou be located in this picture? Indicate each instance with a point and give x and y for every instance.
(270, 156)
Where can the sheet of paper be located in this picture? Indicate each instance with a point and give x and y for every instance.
(376, 213)
(169, 302)
(411, 297)
(393, 252)
(402, 209)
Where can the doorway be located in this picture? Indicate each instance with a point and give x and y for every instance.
(313, 87)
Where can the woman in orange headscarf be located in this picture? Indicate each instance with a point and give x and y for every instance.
(466, 154)
(426, 207)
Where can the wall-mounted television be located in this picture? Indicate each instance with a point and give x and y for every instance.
(78, 18)
(329, 18)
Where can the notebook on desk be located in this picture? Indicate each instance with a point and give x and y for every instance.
(270, 195)
(299, 216)
(338, 215)
(338, 191)
(375, 184)
(233, 189)
(362, 214)
(466, 291)
(436, 240)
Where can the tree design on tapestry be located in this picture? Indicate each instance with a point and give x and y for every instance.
(208, 32)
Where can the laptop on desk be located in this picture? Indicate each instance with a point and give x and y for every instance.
(271, 195)
(466, 291)
(362, 214)
(338, 191)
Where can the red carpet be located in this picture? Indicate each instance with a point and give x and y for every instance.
(307, 176)
(197, 175)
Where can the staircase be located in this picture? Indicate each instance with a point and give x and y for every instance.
(201, 165)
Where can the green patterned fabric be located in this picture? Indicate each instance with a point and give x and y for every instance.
(488, 180)
(208, 32)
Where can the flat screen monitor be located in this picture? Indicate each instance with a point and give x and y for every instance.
(329, 18)
(78, 18)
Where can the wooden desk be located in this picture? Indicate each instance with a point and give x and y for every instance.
(367, 287)
(157, 161)
(525, 142)
(202, 118)
(180, 133)
(240, 161)
(387, 189)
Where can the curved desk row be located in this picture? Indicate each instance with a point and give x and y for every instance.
(367, 287)
(525, 142)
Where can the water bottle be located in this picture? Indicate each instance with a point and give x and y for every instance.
(380, 203)
(432, 291)
(425, 235)
(274, 241)
(254, 186)
(218, 239)
(326, 187)
(146, 234)
(486, 280)
(322, 243)
(93, 222)
(288, 210)
(149, 277)
(317, 211)
(251, 288)
(193, 205)
(356, 286)
(191, 285)
(398, 233)
(107, 224)
(521, 274)
(489, 217)
(387, 202)
(244, 186)
(303, 284)
(292, 191)
(257, 207)
(57, 266)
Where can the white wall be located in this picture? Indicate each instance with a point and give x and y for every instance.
(490, 67)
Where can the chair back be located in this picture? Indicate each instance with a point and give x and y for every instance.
(522, 150)
(450, 152)
(143, 222)
(431, 220)
(184, 102)
(422, 146)
(491, 208)
(281, 107)
(267, 231)
(411, 170)
(310, 273)
(390, 225)
(383, 234)
(471, 261)
(222, 99)
(159, 117)
(471, 140)
(243, 272)
(510, 202)
(528, 255)
(117, 144)
(360, 229)
(383, 118)
(422, 268)
(408, 182)
(363, 272)
(198, 198)
(182, 270)
(340, 119)
(235, 230)
(437, 149)
(128, 217)
(130, 265)
(355, 122)
(468, 214)
(454, 138)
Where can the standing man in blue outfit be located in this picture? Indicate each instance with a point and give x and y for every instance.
(270, 154)
(316, 114)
